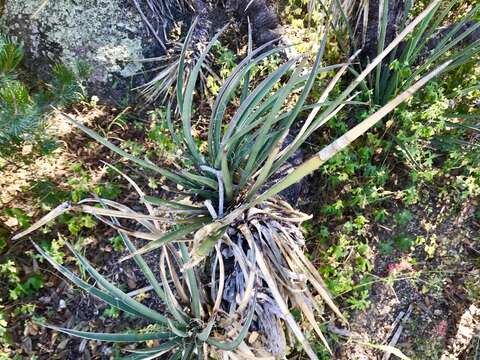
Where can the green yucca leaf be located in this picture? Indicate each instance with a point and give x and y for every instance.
(254, 99)
(180, 332)
(176, 356)
(192, 283)
(201, 180)
(390, 81)
(286, 127)
(180, 79)
(177, 234)
(140, 357)
(167, 345)
(341, 143)
(381, 43)
(227, 91)
(246, 80)
(115, 291)
(266, 128)
(107, 298)
(146, 270)
(180, 179)
(310, 81)
(295, 145)
(145, 164)
(422, 36)
(188, 351)
(170, 204)
(126, 337)
(170, 301)
(205, 333)
(187, 101)
(226, 177)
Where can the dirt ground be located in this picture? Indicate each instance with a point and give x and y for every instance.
(427, 311)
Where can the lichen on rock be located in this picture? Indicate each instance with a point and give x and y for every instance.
(107, 34)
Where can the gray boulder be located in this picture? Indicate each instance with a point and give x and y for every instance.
(109, 35)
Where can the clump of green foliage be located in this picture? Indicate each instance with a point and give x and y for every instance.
(430, 44)
(23, 112)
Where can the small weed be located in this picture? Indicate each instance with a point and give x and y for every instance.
(403, 242)
(159, 132)
(403, 217)
(386, 247)
(111, 312)
(18, 288)
(117, 243)
(24, 221)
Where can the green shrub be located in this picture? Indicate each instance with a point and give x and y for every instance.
(23, 113)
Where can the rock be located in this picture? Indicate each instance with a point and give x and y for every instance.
(109, 35)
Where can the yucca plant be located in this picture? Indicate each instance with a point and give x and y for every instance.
(431, 43)
(237, 238)
(160, 87)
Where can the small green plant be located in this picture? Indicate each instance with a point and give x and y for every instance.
(24, 221)
(18, 288)
(159, 132)
(117, 243)
(111, 312)
(54, 249)
(23, 113)
(403, 217)
(226, 60)
(404, 242)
